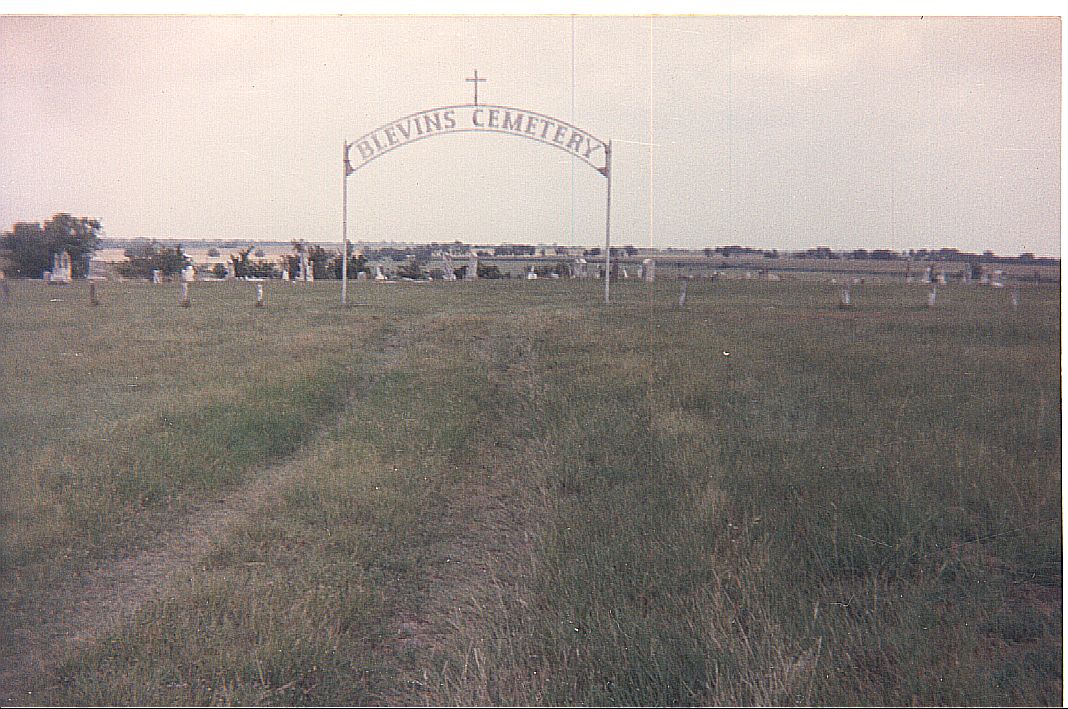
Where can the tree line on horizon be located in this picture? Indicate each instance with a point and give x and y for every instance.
(27, 250)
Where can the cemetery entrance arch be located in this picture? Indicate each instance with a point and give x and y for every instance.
(478, 118)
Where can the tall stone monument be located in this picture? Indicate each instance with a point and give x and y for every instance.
(448, 269)
(61, 270)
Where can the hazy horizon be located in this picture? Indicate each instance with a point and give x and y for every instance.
(770, 132)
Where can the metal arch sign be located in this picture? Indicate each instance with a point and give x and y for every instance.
(483, 118)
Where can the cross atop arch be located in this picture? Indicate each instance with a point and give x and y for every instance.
(476, 81)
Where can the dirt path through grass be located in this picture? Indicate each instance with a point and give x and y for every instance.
(98, 601)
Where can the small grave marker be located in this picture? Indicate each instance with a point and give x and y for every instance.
(184, 302)
(260, 302)
(682, 295)
(649, 270)
(92, 294)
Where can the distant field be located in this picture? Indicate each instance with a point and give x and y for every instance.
(510, 493)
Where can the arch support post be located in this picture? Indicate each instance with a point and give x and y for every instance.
(608, 222)
(346, 171)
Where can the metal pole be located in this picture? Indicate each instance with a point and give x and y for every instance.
(608, 222)
(345, 224)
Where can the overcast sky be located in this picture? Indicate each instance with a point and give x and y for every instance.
(771, 132)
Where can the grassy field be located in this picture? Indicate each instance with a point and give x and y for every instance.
(510, 493)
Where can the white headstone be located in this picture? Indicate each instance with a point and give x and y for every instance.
(309, 276)
(448, 269)
(941, 278)
(1015, 297)
(649, 270)
(285, 275)
(927, 275)
(61, 270)
(157, 276)
(846, 301)
(379, 276)
(623, 272)
(682, 294)
(361, 276)
(932, 296)
(471, 274)
(531, 276)
(96, 270)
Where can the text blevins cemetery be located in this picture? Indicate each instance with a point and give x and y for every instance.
(494, 119)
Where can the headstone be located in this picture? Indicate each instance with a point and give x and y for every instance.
(471, 274)
(995, 281)
(448, 269)
(984, 278)
(682, 294)
(941, 280)
(361, 276)
(189, 274)
(61, 270)
(1015, 297)
(641, 272)
(845, 300)
(259, 296)
(966, 275)
(285, 275)
(92, 294)
(649, 270)
(184, 302)
(624, 273)
(95, 270)
(531, 276)
(310, 276)
(303, 267)
(157, 276)
(580, 268)
(932, 296)
(379, 276)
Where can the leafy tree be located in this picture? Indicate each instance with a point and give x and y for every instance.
(412, 269)
(246, 267)
(489, 271)
(322, 260)
(356, 264)
(141, 261)
(29, 246)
